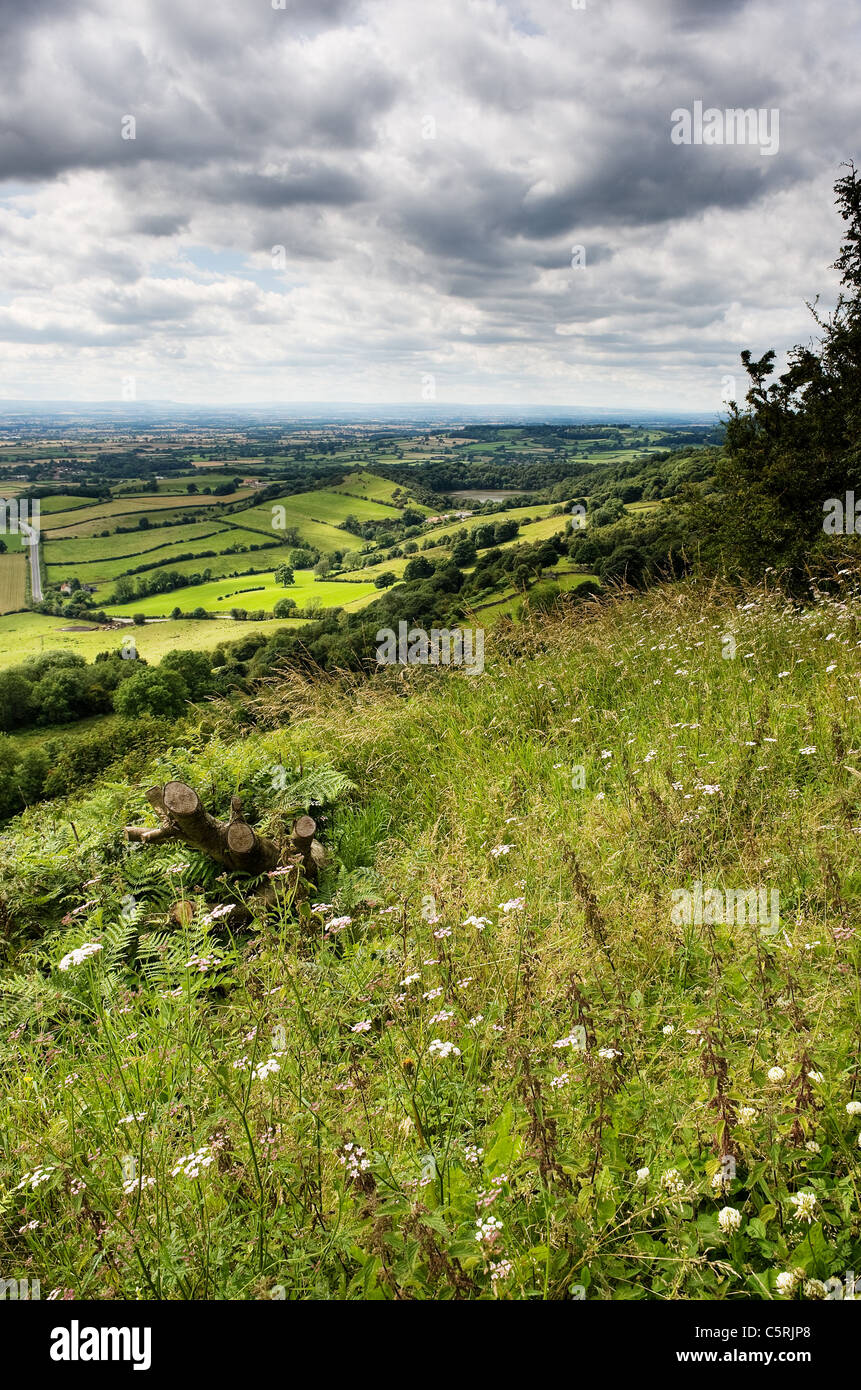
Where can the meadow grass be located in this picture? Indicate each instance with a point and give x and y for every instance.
(13, 580)
(493, 1063)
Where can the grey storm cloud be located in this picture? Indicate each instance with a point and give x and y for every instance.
(423, 174)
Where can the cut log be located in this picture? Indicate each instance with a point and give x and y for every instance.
(234, 844)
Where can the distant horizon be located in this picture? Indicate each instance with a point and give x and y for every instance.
(433, 413)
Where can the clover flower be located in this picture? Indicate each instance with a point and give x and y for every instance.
(729, 1220)
(776, 1074)
(787, 1282)
(805, 1206)
(672, 1182)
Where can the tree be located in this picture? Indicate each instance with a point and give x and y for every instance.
(463, 552)
(284, 576)
(152, 691)
(16, 699)
(284, 608)
(322, 566)
(797, 446)
(382, 581)
(418, 568)
(194, 668)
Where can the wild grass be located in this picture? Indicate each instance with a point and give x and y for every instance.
(451, 1079)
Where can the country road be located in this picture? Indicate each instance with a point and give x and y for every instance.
(35, 574)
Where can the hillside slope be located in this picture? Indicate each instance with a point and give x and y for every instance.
(452, 1080)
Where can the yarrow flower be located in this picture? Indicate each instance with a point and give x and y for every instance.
(362, 1027)
(608, 1054)
(77, 957)
(487, 1229)
(354, 1159)
(556, 1082)
(189, 1165)
(35, 1179)
(805, 1206)
(438, 1048)
(133, 1185)
(265, 1069)
(202, 963)
(513, 905)
(221, 910)
(410, 980)
(500, 1269)
(478, 922)
(472, 1152)
(729, 1220)
(337, 924)
(499, 850)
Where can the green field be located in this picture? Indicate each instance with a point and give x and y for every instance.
(89, 520)
(251, 591)
(374, 489)
(323, 537)
(83, 558)
(27, 634)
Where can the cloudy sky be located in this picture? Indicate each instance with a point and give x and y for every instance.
(378, 200)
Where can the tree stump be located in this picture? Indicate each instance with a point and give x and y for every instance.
(233, 843)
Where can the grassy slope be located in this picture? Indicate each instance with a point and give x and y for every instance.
(693, 770)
